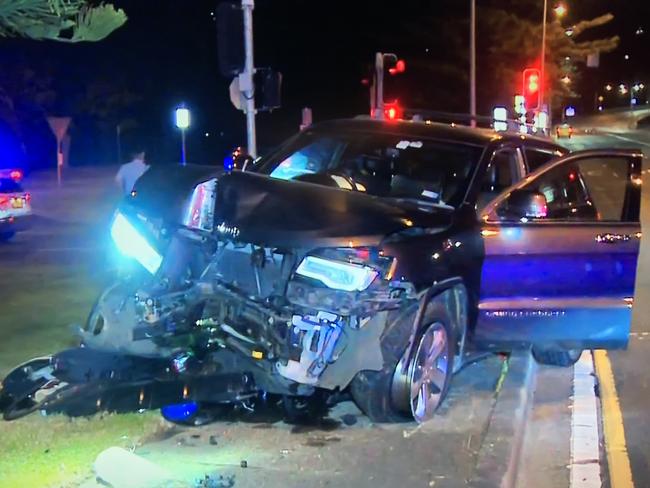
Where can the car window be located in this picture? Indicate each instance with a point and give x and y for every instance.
(380, 164)
(606, 179)
(536, 158)
(590, 189)
(310, 159)
(501, 174)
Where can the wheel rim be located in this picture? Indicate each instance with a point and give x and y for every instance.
(428, 372)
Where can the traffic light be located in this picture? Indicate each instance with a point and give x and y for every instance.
(393, 111)
(268, 84)
(531, 88)
(399, 66)
(230, 39)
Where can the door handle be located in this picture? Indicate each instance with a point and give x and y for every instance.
(609, 238)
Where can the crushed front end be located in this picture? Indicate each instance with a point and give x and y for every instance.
(291, 318)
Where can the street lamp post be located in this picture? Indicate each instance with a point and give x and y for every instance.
(472, 63)
(543, 60)
(560, 10)
(183, 122)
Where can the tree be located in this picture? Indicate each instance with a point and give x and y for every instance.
(58, 20)
(515, 33)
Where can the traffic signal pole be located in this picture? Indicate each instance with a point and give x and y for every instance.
(379, 86)
(543, 64)
(472, 63)
(246, 78)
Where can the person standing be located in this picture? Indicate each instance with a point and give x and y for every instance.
(129, 173)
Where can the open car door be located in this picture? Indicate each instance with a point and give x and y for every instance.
(561, 250)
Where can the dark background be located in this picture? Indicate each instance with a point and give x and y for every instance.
(166, 54)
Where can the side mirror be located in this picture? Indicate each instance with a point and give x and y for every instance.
(523, 204)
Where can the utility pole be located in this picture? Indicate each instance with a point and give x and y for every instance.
(543, 62)
(246, 78)
(472, 63)
(379, 86)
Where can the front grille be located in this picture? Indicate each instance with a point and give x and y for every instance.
(254, 271)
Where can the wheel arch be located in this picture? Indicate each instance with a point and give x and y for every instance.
(453, 295)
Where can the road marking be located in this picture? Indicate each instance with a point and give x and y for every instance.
(620, 472)
(628, 139)
(585, 449)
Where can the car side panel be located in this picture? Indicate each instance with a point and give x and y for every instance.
(557, 285)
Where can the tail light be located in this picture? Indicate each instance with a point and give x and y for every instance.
(28, 197)
(4, 201)
(16, 175)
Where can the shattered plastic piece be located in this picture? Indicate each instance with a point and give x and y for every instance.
(211, 482)
(118, 467)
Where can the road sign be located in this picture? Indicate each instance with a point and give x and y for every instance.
(500, 115)
(59, 126)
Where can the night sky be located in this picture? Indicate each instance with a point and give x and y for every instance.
(167, 54)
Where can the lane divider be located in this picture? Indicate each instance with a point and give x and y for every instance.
(620, 472)
(585, 449)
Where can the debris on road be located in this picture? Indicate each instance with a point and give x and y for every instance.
(212, 482)
(118, 467)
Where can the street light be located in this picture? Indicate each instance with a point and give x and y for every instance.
(565, 79)
(183, 122)
(560, 10)
(608, 87)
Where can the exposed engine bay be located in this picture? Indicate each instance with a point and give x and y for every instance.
(213, 293)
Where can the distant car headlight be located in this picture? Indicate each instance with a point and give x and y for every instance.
(133, 244)
(337, 274)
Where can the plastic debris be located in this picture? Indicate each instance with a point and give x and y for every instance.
(213, 482)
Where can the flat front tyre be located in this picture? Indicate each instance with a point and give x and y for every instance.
(409, 387)
(557, 357)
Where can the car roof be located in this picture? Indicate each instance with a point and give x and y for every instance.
(433, 130)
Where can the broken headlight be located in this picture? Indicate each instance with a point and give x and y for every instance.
(347, 269)
(199, 213)
(131, 243)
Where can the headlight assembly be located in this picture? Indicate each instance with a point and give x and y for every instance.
(131, 243)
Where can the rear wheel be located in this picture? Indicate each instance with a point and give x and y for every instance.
(557, 357)
(409, 386)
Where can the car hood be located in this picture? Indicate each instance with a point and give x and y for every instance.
(271, 212)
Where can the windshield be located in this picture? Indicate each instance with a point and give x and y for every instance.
(384, 165)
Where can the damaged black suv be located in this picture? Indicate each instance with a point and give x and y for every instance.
(362, 257)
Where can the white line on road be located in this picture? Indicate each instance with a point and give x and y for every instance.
(585, 451)
(628, 139)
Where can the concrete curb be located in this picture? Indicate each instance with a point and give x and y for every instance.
(498, 458)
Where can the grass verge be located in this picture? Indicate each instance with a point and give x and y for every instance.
(58, 451)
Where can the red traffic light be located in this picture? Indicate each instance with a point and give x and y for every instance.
(392, 111)
(400, 67)
(531, 88)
